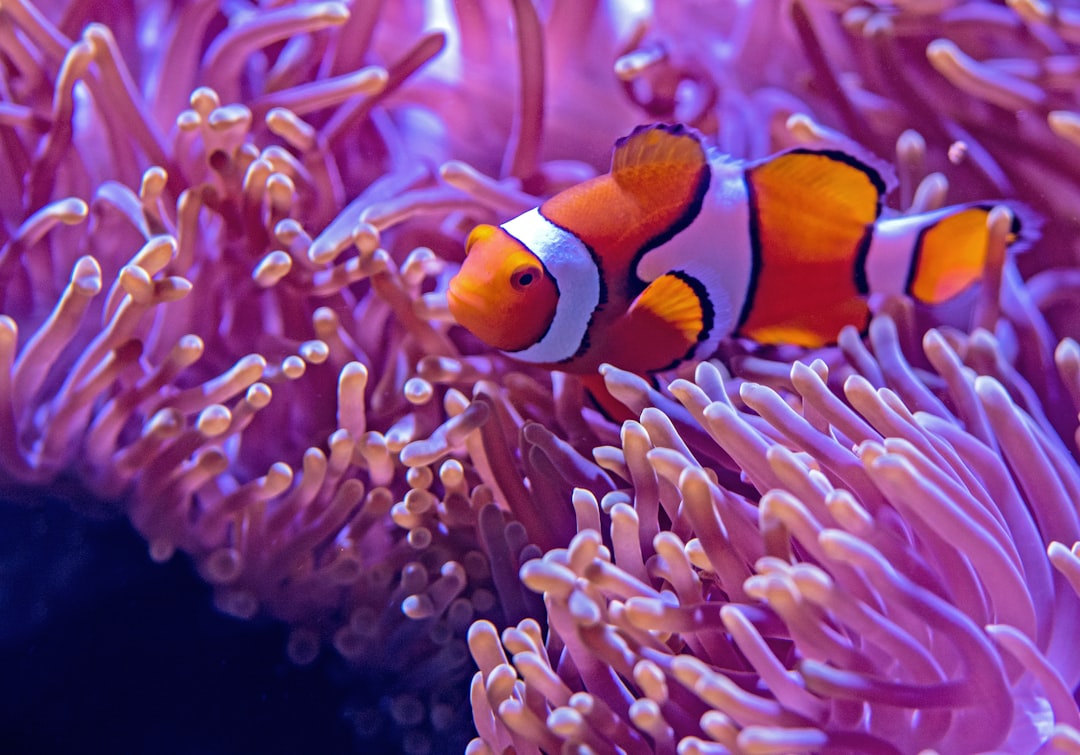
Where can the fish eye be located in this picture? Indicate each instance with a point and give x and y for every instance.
(524, 277)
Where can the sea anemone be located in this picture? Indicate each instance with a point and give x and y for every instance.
(866, 551)
(789, 569)
(223, 315)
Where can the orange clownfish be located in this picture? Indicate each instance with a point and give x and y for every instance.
(679, 246)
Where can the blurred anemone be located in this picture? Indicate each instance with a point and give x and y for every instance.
(222, 276)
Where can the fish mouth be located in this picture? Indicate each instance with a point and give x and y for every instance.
(467, 308)
(463, 303)
(471, 310)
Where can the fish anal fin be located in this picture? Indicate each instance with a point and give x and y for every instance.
(603, 400)
(666, 321)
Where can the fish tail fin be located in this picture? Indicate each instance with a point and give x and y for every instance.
(1026, 226)
(950, 251)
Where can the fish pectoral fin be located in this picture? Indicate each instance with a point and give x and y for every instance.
(670, 317)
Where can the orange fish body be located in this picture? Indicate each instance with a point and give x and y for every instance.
(677, 247)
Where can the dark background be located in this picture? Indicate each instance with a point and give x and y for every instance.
(102, 650)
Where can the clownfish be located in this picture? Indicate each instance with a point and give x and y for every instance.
(679, 246)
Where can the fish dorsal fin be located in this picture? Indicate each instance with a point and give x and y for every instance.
(657, 185)
(658, 155)
(823, 181)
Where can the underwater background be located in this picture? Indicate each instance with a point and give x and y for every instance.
(260, 493)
